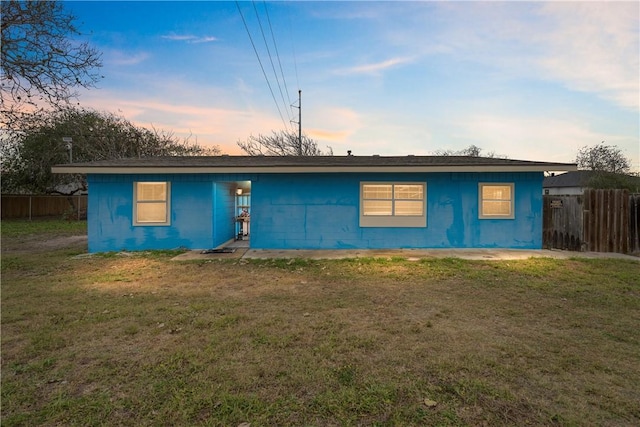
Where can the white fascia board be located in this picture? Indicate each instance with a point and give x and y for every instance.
(111, 170)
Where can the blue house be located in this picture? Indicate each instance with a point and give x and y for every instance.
(331, 202)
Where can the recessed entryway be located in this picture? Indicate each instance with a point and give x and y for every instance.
(242, 213)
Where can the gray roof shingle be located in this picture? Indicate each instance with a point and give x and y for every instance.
(301, 163)
(569, 179)
(585, 178)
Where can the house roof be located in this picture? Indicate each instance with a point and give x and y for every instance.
(569, 179)
(308, 164)
(585, 178)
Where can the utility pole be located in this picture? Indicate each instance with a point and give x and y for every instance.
(299, 107)
(68, 141)
(299, 122)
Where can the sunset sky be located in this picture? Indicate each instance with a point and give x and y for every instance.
(528, 80)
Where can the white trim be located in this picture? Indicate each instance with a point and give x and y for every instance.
(393, 220)
(167, 203)
(512, 215)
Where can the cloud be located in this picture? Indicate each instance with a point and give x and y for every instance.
(176, 37)
(590, 47)
(541, 138)
(189, 38)
(205, 39)
(594, 47)
(208, 126)
(331, 124)
(116, 57)
(376, 67)
(327, 134)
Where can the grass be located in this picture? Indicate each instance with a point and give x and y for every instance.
(141, 340)
(16, 228)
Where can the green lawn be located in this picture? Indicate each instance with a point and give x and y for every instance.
(140, 340)
(41, 227)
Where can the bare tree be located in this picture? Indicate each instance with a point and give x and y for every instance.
(282, 143)
(27, 156)
(470, 151)
(41, 63)
(603, 158)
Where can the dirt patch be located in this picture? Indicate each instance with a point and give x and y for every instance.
(43, 244)
(64, 242)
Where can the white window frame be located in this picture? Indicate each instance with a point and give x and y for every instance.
(167, 202)
(393, 220)
(512, 213)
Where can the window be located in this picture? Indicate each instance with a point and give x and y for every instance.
(496, 201)
(392, 204)
(151, 203)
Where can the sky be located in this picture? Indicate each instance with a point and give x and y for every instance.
(526, 80)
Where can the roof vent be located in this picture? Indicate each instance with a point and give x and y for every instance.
(376, 155)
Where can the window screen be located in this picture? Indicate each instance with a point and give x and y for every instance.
(389, 204)
(151, 203)
(496, 201)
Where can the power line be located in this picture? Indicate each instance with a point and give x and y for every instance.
(266, 44)
(260, 62)
(275, 45)
(295, 65)
(293, 49)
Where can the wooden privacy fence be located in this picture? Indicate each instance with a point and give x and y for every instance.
(34, 206)
(634, 223)
(598, 220)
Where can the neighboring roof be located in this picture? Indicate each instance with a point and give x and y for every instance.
(309, 164)
(569, 179)
(589, 178)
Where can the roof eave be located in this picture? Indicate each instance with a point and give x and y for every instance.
(112, 170)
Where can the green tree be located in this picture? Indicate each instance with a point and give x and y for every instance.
(27, 156)
(282, 143)
(603, 158)
(609, 180)
(41, 63)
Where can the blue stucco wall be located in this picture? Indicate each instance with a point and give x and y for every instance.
(322, 211)
(309, 211)
(223, 213)
(201, 214)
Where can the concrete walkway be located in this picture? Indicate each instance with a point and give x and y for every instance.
(410, 254)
